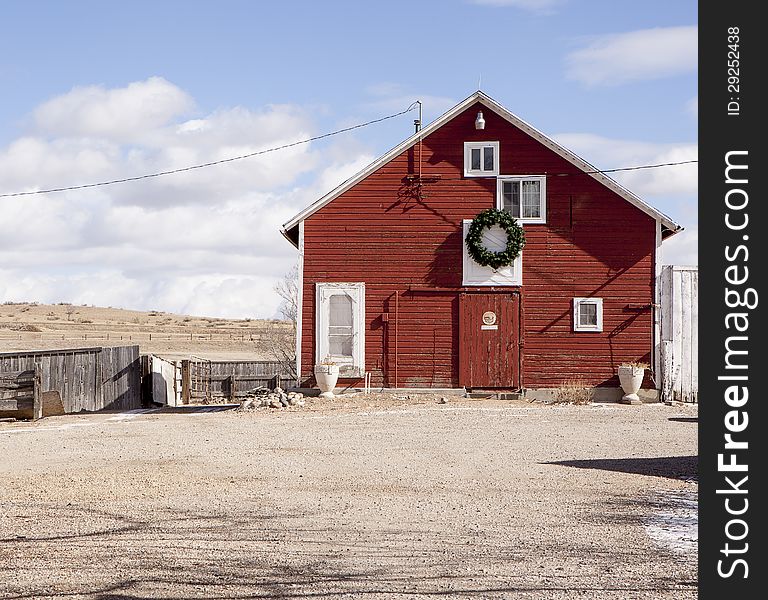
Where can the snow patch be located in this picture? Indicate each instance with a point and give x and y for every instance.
(675, 524)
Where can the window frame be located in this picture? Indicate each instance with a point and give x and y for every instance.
(353, 366)
(577, 325)
(542, 179)
(468, 171)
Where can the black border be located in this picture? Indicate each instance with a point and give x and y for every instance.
(719, 133)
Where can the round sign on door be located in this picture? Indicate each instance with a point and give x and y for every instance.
(489, 320)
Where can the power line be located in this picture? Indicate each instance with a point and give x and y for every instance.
(600, 171)
(209, 164)
(635, 168)
(306, 141)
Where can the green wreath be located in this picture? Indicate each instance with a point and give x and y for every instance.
(515, 239)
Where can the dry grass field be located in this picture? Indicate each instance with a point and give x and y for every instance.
(32, 326)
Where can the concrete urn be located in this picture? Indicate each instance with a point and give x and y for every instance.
(631, 378)
(326, 376)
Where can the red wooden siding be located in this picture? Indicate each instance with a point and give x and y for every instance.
(489, 352)
(407, 249)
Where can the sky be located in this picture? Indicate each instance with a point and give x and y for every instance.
(95, 91)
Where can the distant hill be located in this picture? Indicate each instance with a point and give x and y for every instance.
(32, 326)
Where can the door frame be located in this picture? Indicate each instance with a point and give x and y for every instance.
(463, 365)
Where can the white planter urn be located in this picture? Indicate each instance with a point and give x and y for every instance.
(631, 378)
(326, 377)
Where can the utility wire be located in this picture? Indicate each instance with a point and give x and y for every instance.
(306, 141)
(209, 164)
(596, 171)
(636, 168)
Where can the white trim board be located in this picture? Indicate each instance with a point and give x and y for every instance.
(474, 274)
(300, 303)
(353, 366)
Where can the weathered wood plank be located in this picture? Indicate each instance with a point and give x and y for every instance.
(121, 373)
(223, 375)
(694, 346)
(76, 374)
(680, 328)
(23, 393)
(37, 404)
(686, 336)
(21, 403)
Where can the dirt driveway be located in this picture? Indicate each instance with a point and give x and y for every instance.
(468, 499)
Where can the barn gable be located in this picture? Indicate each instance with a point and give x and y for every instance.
(668, 226)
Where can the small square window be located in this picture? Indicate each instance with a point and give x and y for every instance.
(587, 314)
(481, 159)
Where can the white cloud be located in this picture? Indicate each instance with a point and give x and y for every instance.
(121, 114)
(673, 190)
(221, 295)
(31, 163)
(682, 248)
(606, 153)
(75, 158)
(534, 6)
(205, 241)
(634, 56)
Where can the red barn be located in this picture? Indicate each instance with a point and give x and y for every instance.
(389, 288)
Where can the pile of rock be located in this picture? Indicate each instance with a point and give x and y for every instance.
(277, 398)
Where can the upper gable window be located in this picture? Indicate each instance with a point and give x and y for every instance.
(481, 159)
(524, 197)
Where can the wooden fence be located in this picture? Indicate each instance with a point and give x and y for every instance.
(19, 393)
(165, 380)
(680, 333)
(204, 381)
(85, 378)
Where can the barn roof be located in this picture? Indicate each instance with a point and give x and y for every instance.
(669, 227)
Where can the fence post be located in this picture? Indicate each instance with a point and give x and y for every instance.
(37, 404)
(667, 372)
(185, 382)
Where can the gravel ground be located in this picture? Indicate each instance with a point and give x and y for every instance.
(360, 497)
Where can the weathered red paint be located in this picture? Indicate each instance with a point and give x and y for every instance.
(405, 243)
(489, 348)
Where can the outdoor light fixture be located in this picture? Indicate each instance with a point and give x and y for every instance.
(480, 122)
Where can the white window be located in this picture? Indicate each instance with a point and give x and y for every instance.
(495, 239)
(524, 197)
(340, 326)
(587, 314)
(481, 159)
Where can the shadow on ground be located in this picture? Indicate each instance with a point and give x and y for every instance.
(673, 467)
